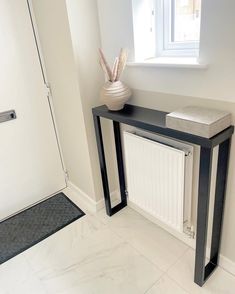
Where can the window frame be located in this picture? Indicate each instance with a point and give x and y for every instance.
(163, 31)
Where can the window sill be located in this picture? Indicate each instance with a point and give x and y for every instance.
(170, 62)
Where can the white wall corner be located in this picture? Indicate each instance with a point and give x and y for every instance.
(84, 29)
(84, 201)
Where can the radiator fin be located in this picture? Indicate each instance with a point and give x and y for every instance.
(155, 178)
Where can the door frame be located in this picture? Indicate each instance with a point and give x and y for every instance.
(46, 83)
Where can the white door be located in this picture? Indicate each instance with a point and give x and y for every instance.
(30, 165)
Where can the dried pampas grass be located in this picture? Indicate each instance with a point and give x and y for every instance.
(118, 66)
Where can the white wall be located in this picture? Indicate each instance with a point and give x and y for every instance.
(84, 29)
(168, 89)
(70, 38)
(217, 49)
(85, 33)
(54, 33)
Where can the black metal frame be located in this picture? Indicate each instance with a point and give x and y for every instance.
(203, 272)
(116, 128)
(154, 121)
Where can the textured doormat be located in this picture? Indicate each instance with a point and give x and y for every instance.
(36, 223)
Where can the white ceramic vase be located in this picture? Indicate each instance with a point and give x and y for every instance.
(114, 95)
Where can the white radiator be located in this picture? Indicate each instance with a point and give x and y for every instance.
(156, 175)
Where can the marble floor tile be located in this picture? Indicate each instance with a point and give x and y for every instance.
(182, 272)
(16, 277)
(125, 272)
(62, 244)
(166, 286)
(157, 245)
(125, 254)
(100, 263)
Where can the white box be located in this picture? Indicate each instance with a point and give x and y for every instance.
(203, 122)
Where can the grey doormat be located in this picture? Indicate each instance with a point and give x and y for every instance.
(36, 223)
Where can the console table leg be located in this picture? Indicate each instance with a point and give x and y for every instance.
(202, 213)
(100, 145)
(121, 173)
(103, 168)
(221, 181)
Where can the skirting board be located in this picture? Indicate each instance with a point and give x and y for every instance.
(224, 262)
(86, 202)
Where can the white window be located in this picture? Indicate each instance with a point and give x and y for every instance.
(169, 28)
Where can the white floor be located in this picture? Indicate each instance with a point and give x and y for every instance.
(124, 254)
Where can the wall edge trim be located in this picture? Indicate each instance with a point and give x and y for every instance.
(85, 200)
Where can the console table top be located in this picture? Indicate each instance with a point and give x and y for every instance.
(155, 121)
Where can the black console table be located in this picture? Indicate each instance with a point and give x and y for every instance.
(154, 121)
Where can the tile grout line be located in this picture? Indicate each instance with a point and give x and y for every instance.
(107, 225)
(164, 271)
(167, 271)
(177, 284)
(174, 280)
(153, 284)
(141, 254)
(165, 274)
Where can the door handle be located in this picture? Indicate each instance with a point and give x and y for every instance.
(7, 115)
